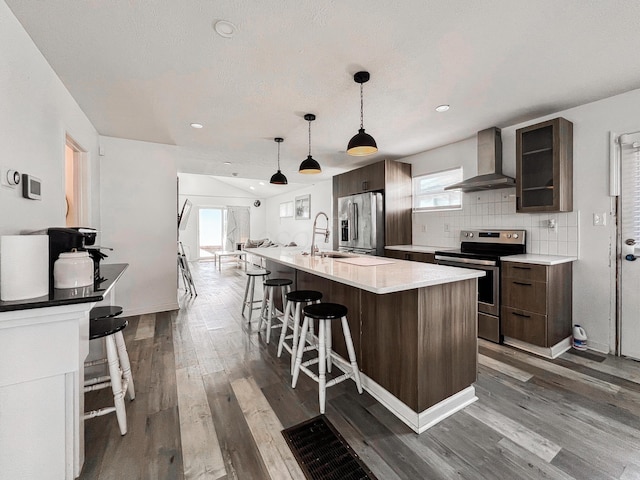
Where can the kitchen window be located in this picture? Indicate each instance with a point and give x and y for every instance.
(429, 194)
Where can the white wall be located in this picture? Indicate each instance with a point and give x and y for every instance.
(205, 191)
(36, 111)
(139, 221)
(288, 229)
(594, 273)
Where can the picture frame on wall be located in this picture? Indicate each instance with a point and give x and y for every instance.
(303, 207)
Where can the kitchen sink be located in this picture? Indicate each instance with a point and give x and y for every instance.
(336, 255)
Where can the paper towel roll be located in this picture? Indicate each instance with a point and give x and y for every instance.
(24, 266)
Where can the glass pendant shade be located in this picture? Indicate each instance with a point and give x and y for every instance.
(362, 143)
(309, 165)
(278, 178)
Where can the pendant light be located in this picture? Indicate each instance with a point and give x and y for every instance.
(362, 143)
(278, 178)
(309, 165)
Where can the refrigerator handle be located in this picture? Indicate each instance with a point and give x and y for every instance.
(355, 221)
(350, 219)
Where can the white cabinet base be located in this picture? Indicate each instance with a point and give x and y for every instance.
(42, 354)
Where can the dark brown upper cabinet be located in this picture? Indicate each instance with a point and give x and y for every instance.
(544, 167)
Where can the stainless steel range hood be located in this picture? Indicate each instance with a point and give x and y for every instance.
(490, 175)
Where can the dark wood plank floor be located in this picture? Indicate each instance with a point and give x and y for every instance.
(212, 398)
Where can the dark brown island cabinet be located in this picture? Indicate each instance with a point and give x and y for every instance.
(536, 305)
(423, 257)
(391, 178)
(544, 167)
(413, 327)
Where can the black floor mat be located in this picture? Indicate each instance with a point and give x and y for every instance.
(322, 452)
(591, 356)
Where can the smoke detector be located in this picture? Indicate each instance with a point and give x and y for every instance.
(224, 28)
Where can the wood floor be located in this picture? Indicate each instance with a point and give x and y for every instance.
(212, 398)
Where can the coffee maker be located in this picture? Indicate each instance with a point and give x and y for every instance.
(65, 240)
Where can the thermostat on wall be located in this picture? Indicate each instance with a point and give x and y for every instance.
(31, 187)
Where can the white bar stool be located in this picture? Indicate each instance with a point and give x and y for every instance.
(295, 301)
(270, 286)
(324, 313)
(248, 300)
(102, 324)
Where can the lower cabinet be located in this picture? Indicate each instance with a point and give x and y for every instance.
(411, 256)
(536, 302)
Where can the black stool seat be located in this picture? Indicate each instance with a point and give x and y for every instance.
(106, 326)
(325, 311)
(277, 282)
(258, 273)
(104, 312)
(304, 296)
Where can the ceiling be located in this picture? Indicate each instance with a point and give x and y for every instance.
(146, 70)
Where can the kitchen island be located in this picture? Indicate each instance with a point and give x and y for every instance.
(413, 325)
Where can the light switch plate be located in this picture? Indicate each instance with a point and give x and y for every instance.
(600, 219)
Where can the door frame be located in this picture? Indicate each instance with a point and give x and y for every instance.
(80, 182)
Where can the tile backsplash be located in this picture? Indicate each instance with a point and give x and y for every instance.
(496, 209)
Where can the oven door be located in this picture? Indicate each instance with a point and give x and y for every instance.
(488, 286)
(488, 294)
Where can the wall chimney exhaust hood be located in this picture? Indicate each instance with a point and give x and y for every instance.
(490, 175)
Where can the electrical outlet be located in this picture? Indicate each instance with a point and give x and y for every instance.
(423, 228)
(600, 219)
(446, 227)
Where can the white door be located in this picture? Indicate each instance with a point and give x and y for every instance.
(629, 286)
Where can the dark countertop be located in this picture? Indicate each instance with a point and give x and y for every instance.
(68, 296)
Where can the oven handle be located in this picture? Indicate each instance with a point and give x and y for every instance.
(468, 261)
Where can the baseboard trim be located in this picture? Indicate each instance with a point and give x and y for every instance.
(155, 309)
(552, 352)
(598, 347)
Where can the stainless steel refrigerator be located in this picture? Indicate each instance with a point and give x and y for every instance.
(361, 224)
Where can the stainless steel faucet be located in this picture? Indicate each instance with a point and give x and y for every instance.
(322, 231)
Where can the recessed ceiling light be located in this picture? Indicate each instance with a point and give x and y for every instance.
(197, 125)
(252, 188)
(227, 163)
(224, 28)
(442, 108)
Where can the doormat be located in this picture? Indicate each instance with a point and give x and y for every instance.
(591, 356)
(323, 454)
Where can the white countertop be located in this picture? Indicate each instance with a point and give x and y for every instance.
(539, 259)
(417, 248)
(394, 276)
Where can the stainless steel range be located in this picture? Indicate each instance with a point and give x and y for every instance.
(481, 250)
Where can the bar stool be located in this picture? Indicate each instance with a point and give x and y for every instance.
(325, 313)
(270, 286)
(295, 301)
(249, 290)
(103, 324)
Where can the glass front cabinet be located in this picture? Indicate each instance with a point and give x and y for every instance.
(544, 167)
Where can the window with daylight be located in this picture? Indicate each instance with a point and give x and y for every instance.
(429, 194)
